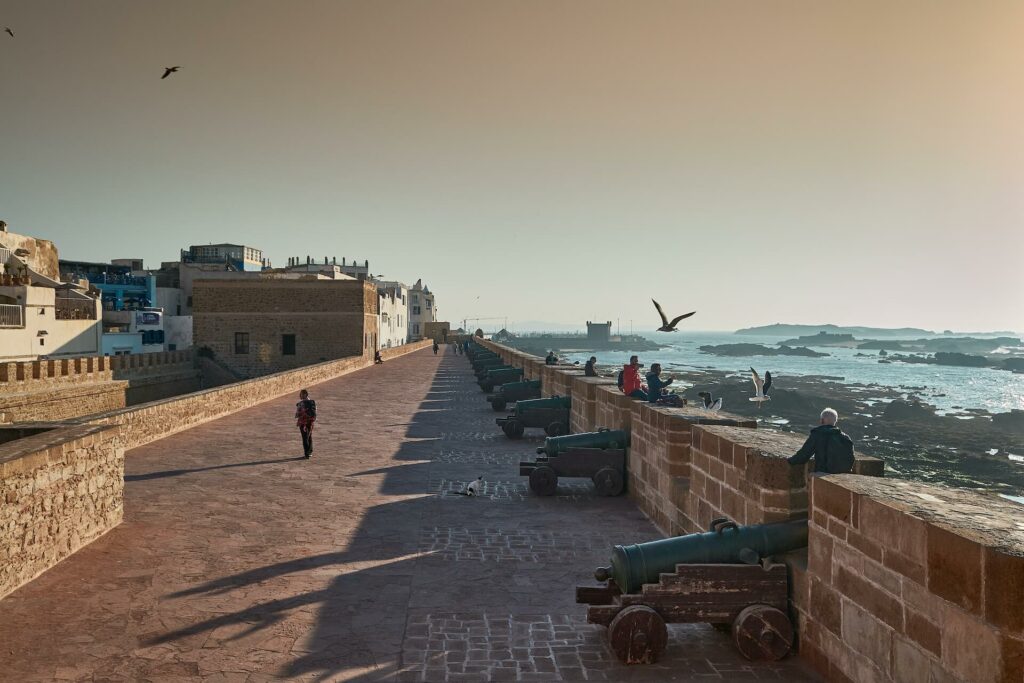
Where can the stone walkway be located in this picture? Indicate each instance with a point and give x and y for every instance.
(239, 561)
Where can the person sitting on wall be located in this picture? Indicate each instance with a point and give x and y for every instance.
(658, 391)
(551, 359)
(631, 384)
(831, 449)
(377, 360)
(589, 370)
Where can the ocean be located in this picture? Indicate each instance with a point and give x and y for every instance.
(949, 389)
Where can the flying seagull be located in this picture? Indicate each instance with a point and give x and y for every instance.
(667, 326)
(169, 70)
(710, 402)
(761, 388)
(8, 31)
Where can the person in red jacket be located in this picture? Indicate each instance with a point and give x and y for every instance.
(632, 386)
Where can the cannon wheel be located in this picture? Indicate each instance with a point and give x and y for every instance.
(608, 481)
(555, 429)
(762, 633)
(487, 386)
(498, 404)
(513, 429)
(543, 481)
(638, 635)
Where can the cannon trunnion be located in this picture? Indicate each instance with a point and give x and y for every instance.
(550, 414)
(722, 577)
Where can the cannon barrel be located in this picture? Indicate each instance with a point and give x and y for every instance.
(602, 438)
(640, 563)
(487, 363)
(522, 386)
(482, 372)
(543, 403)
(502, 375)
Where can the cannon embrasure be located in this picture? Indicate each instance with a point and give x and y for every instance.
(499, 376)
(723, 577)
(514, 391)
(600, 456)
(550, 414)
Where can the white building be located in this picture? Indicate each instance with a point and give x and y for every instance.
(422, 309)
(40, 316)
(393, 314)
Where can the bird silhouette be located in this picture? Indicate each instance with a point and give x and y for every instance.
(667, 326)
(761, 388)
(8, 31)
(169, 70)
(710, 402)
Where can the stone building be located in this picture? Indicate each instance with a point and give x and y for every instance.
(393, 314)
(255, 327)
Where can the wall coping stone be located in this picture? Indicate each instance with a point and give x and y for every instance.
(26, 453)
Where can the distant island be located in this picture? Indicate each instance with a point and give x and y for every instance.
(759, 350)
(786, 330)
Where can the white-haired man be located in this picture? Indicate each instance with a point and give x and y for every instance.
(831, 449)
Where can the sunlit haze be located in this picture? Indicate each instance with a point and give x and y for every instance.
(807, 162)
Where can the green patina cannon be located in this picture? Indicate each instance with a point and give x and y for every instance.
(599, 455)
(723, 577)
(514, 391)
(498, 376)
(482, 372)
(551, 414)
(480, 354)
(487, 363)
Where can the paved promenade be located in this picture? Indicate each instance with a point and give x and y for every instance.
(240, 561)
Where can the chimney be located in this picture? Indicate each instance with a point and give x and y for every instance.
(334, 260)
(325, 260)
(342, 260)
(366, 263)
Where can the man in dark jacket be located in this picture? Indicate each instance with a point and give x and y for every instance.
(831, 449)
(589, 370)
(305, 416)
(656, 388)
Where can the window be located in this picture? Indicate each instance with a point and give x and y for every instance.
(241, 342)
(428, 304)
(190, 300)
(416, 328)
(415, 310)
(287, 344)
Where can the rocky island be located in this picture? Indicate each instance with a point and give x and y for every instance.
(759, 350)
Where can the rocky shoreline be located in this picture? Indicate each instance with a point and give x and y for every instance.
(970, 449)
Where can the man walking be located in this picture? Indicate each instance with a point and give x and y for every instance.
(831, 449)
(305, 416)
(435, 348)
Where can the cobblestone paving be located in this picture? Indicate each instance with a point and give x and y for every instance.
(240, 561)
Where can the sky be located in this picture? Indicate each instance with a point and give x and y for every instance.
(759, 162)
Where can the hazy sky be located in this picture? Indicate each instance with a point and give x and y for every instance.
(849, 162)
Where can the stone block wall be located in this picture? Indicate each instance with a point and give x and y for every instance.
(909, 582)
(49, 404)
(327, 319)
(584, 403)
(59, 490)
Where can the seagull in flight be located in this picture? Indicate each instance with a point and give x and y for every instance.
(761, 388)
(169, 70)
(8, 31)
(667, 326)
(710, 402)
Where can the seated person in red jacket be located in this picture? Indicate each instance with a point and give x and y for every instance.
(632, 386)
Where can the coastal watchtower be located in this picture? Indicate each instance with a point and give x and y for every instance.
(599, 332)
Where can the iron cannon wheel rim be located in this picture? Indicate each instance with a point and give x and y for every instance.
(555, 429)
(762, 633)
(544, 481)
(608, 481)
(638, 635)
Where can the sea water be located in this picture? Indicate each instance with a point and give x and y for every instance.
(949, 389)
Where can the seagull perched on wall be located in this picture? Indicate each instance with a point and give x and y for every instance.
(667, 326)
(169, 70)
(761, 387)
(710, 402)
(8, 31)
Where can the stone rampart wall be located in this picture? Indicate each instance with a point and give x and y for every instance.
(59, 490)
(901, 581)
(908, 582)
(22, 376)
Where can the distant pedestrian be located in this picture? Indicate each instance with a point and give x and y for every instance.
(589, 370)
(305, 416)
(377, 360)
(831, 449)
(436, 347)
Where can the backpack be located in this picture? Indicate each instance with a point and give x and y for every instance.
(619, 380)
(310, 408)
(838, 453)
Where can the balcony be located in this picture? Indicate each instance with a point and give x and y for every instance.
(74, 309)
(12, 315)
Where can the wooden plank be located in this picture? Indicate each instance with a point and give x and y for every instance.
(597, 595)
